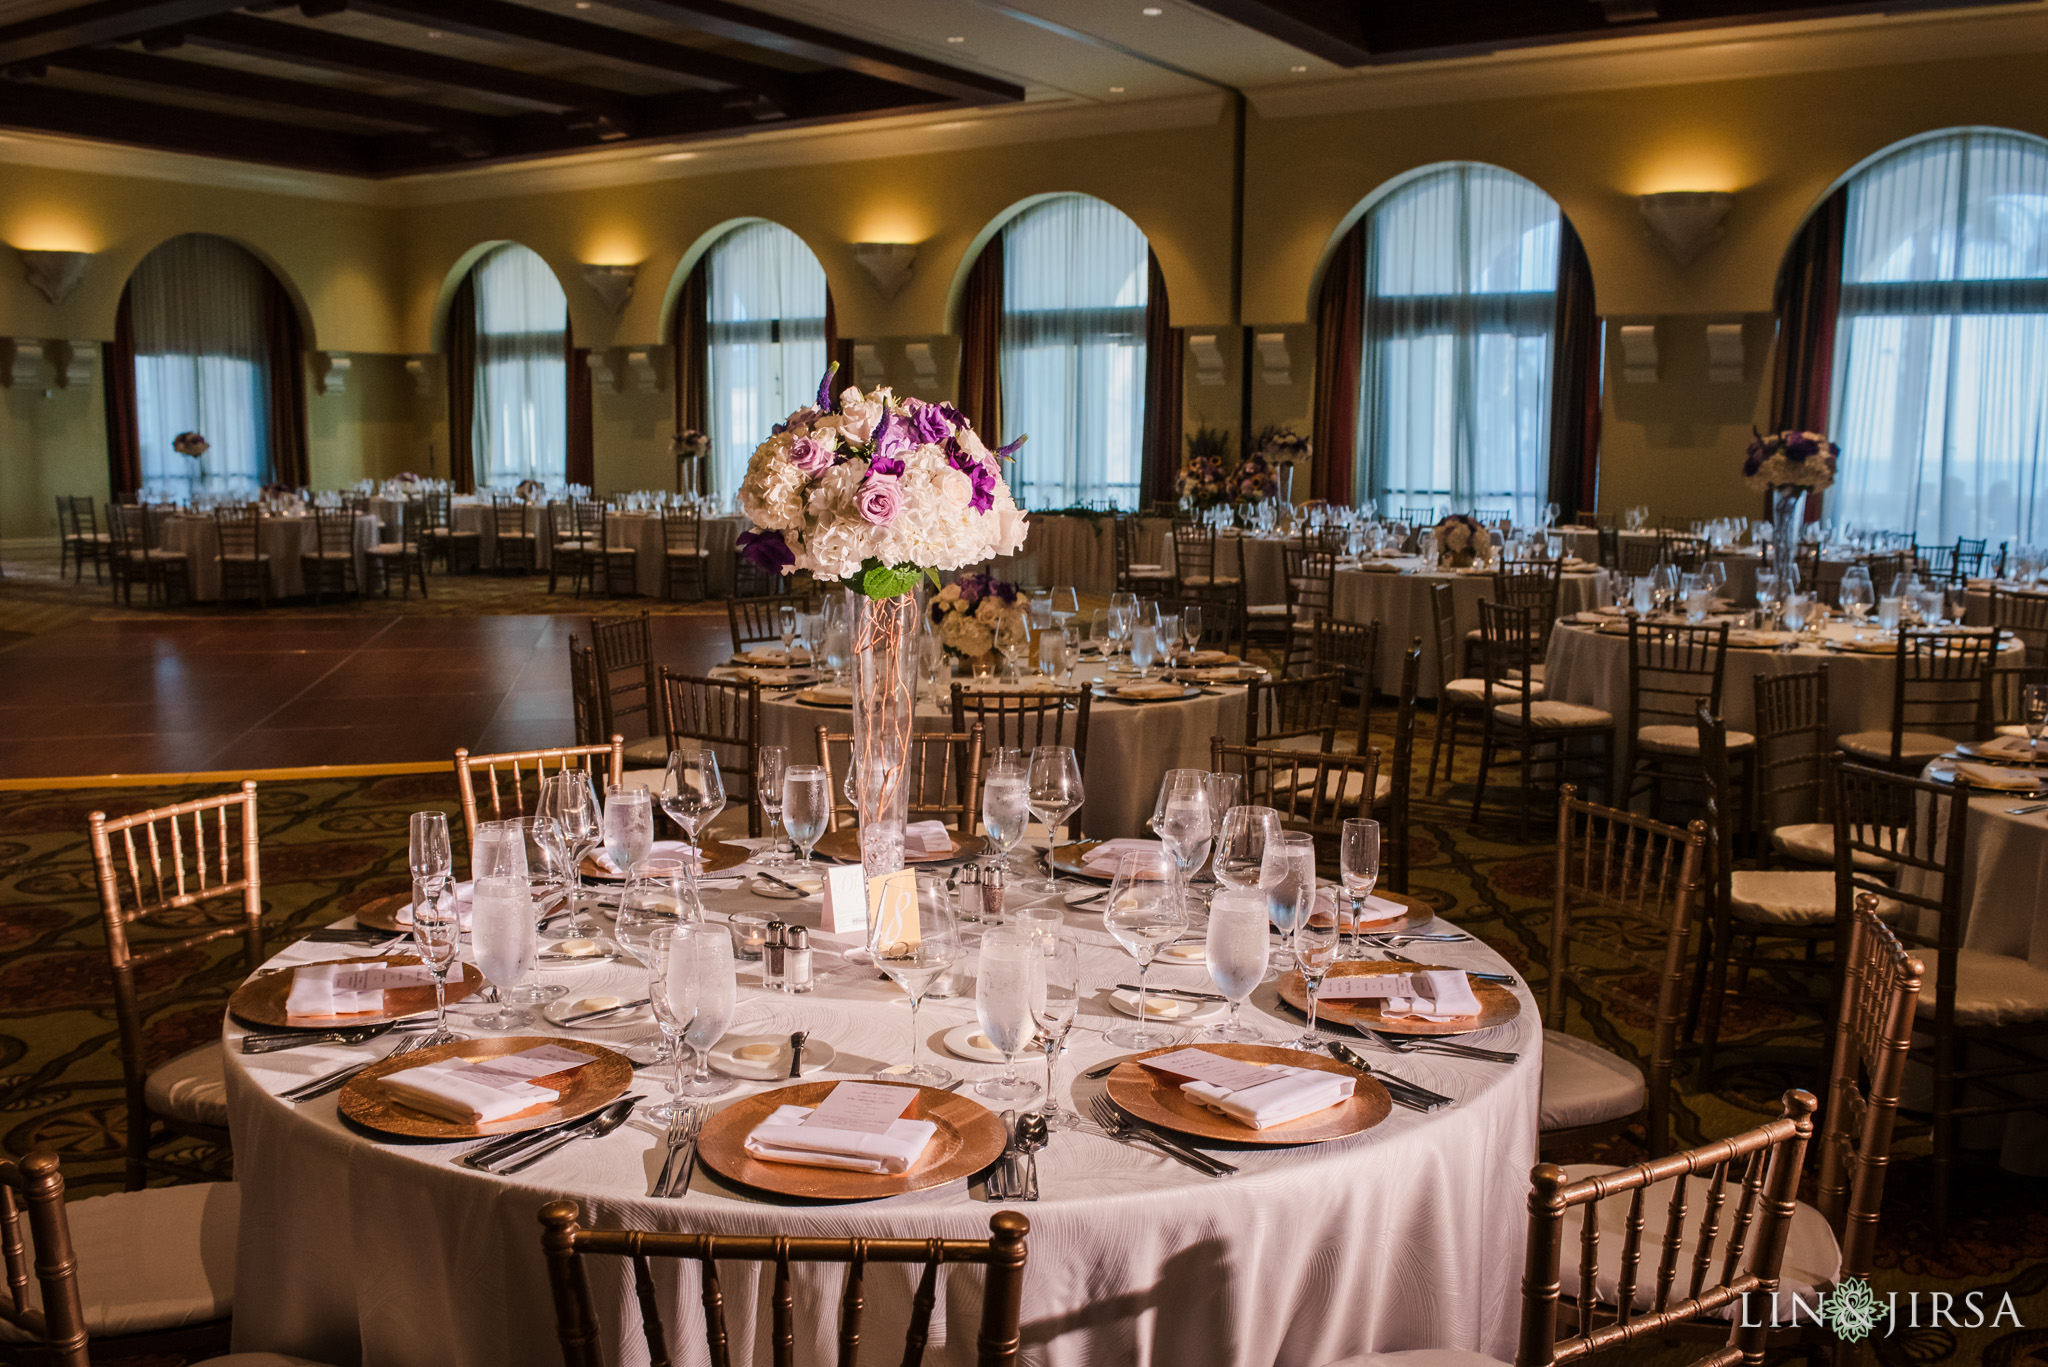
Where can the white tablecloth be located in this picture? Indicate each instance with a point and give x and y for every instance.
(1260, 561)
(283, 539)
(1408, 1236)
(1399, 602)
(643, 532)
(469, 514)
(1078, 551)
(1741, 561)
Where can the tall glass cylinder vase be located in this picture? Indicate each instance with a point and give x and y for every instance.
(1788, 516)
(884, 700)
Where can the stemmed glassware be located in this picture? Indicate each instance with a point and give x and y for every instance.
(429, 853)
(1856, 595)
(1185, 825)
(1013, 640)
(1055, 793)
(660, 892)
(1008, 983)
(915, 953)
(693, 793)
(768, 767)
(1316, 936)
(1358, 864)
(437, 934)
(1005, 807)
(502, 936)
(1056, 1008)
(1242, 841)
(1123, 615)
(710, 950)
(1191, 626)
(1238, 948)
(1066, 603)
(785, 627)
(1144, 916)
(628, 826)
(672, 994)
(1144, 636)
(1291, 865)
(806, 806)
(568, 798)
(2034, 708)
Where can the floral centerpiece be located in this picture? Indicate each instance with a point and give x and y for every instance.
(686, 446)
(967, 611)
(1282, 447)
(1253, 481)
(1458, 539)
(1788, 466)
(1204, 479)
(879, 493)
(530, 490)
(193, 447)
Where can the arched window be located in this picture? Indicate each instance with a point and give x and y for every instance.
(1461, 340)
(1075, 287)
(519, 417)
(1940, 394)
(765, 306)
(210, 348)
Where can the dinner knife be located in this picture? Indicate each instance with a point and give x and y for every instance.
(1175, 992)
(273, 1044)
(505, 1145)
(1414, 1097)
(607, 1011)
(679, 1185)
(609, 1119)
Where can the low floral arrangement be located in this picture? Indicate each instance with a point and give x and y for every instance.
(406, 477)
(1458, 539)
(190, 444)
(529, 490)
(689, 444)
(967, 611)
(1804, 460)
(1284, 446)
(1254, 480)
(1204, 479)
(877, 492)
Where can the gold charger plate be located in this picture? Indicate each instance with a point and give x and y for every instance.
(1109, 693)
(1155, 1098)
(1072, 860)
(260, 1001)
(969, 1138)
(589, 1088)
(1977, 750)
(845, 845)
(717, 856)
(383, 913)
(1497, 1004)
(1418, 915)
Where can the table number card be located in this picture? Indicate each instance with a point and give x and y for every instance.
(1200, 1065)
(846, 899)
(892, 909)
(869, 1107)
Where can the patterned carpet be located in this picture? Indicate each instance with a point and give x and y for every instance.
(333, 845)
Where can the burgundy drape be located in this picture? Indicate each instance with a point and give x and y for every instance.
(462, 387)
(692, 342)
(1340, 342)
(1575, 381)
(1808, 296)
(981, 343)
(117, 370)
(1162, 390)
(580, 461)
(285, 407)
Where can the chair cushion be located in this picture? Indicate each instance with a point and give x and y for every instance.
(1685, 740)
(1207, 580)
(2013, 729)
(1786, 897)
(1584, 1084)
(150, 1260)
(650, 750)
(390, 548)
(1471, 691)
(681, 554)
(1916, 747)
(258, 1360)
(1268, 610)
(1353, 782)
(190, 1087)
(243, 559)
(1547, 715)
(1991, 989)
(1413, 1357)
(1814, 842)
(336, 556)
(1151, 571)
(1813, 1260)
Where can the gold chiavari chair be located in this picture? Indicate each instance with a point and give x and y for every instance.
(1312, 792)
(1670, 668)
(570, 545)
(332, 561)
(723, 715)
(82, 540)
(1025, 721)
(441, 538)
(565, 1244)
(406, 556)
(1532, 585)
(1456, 697)
(1352, 651)
(757, 621)
(1311, 581)
(1398, 782)
(1298, 713)
(171, 872)
(613, 563)
(1222, 610)
(1132, 575)
(2024, 613)
(1540, 731)
(623, 652)
(1194, 557)
(942, 773)
(512, 780)
(685, 558)
(132, 556)
(516, 546)
(1642, 872)
(244, 565)
(1793, 742)
(583, 693)
(1941, 693)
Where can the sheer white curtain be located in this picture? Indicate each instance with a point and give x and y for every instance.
(1941, 358)
(1460, 323)
(765, 316)
(1073, 352)
(200, 363)
(520, 418)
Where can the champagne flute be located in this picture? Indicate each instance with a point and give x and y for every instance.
(1144, 916)
(1316, 936)
(1006, 809)
(1008, 985)
(429, 852)
(785, 627)
(1358, 857)
(1191, 626)
(503, 939)
(1055, 1009)
(1238, 948)
(1102, 635)
(672, 994)
(1291, 867)
(2034, 707)
(916, 946)
(806, 806)
(768, 790)
(1013, 642)
(437, 934)
(1055, 793)
(693, 793)
(1123, 614)
(709, 949)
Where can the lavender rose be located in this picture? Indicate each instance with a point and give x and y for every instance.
(879, 500)
(810, 455)
(929, 425)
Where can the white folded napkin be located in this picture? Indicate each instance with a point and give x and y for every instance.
(465, 903)
(784, 1138)
(660, 849)
(314, 993)
(1110, 853)
(1157, 1007)
(441, 1089)
(1441, 994)
(927, 837)
(1292, 1094)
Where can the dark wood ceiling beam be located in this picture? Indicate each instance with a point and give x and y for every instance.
(108, 21)
(305, 46)
(1321, 28)
(827, 48)
(110, 118)
(500, 21)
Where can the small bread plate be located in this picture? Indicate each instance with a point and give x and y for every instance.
(1185, 952)
(844, 845)
(793, 887)
(967, 1041)
(594, 1085)
(1156, 1098)
(773, 657)
(260, 1001)
(969, 1138)
(394, 913)
(1164, 1008)
(1413, 920)
(717, 855)
(558, 1012)
(1072, 860)
(828, 695)
(1497, 1004)
(765, 1058)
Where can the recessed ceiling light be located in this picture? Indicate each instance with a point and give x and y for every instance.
(435, 33)
(582, 4)
(674, 156)
(1297, 70)
(1116, 90)
(1151, 11)
(957, 38)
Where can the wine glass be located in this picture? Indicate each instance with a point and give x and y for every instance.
(503, 939)
(1185, 824)
(1241, 845)
(1055, 1009)
(1065, 604)
(1856, 595)
(1358, 864)
(806, 806)
(1013, 641)
(1238, 948)
(1291, 865)
(1123, 615)
(1040, 602)
(436, 935)
(1006, 809)
(916, 945)
(672, 995)
(693, 793)
(2034, 708)
(1316, 936)
(1102, 634)
(1055, 793)
(1008, 983)
(785, 627)
(568, 797)
(838, 645)
(429, 852)
(709, 948)
(768, 790)
(1144, 916)
(659, 892)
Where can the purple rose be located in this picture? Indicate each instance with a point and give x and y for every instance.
(893, 440)
(929, 425)
(983, 479)
(766, 549)
(879, 500)
(954, 417)
(810, 455)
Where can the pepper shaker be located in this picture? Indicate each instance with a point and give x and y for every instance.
(992, 894)
(774, 956)
(796, 961)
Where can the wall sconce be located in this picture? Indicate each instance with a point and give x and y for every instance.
(334, 376)
(1639, 353)
(889, 264)
(422, 369)
(603, 373)
(1275, 365)
(641, 365)
(1686, 222)
(76, 370)
(868, 370)
(54, 274)
(1725, 358)
(24, 368)
(1208, 358)
(612, 284)
(922, 364)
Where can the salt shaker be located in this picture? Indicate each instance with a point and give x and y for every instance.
(774, 956)
(796, 961)
(966, 891)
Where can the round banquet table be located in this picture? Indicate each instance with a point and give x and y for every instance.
(1259, 561)
(1409, 1235)
(643, 533)
(1065, 550)
(468, 513)
(2005, 878)
(284, 539)
(1131, 745)
(1396, 595)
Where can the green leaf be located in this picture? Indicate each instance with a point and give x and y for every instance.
(933, 575)
(881, 581)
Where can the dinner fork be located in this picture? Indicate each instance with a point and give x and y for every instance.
(339, 1078)
(1121, 1128)
(1431, 1044)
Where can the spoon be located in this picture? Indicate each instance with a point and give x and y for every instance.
(796, 1052)
(1031, 1137)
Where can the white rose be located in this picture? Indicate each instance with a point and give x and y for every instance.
(957, 488)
